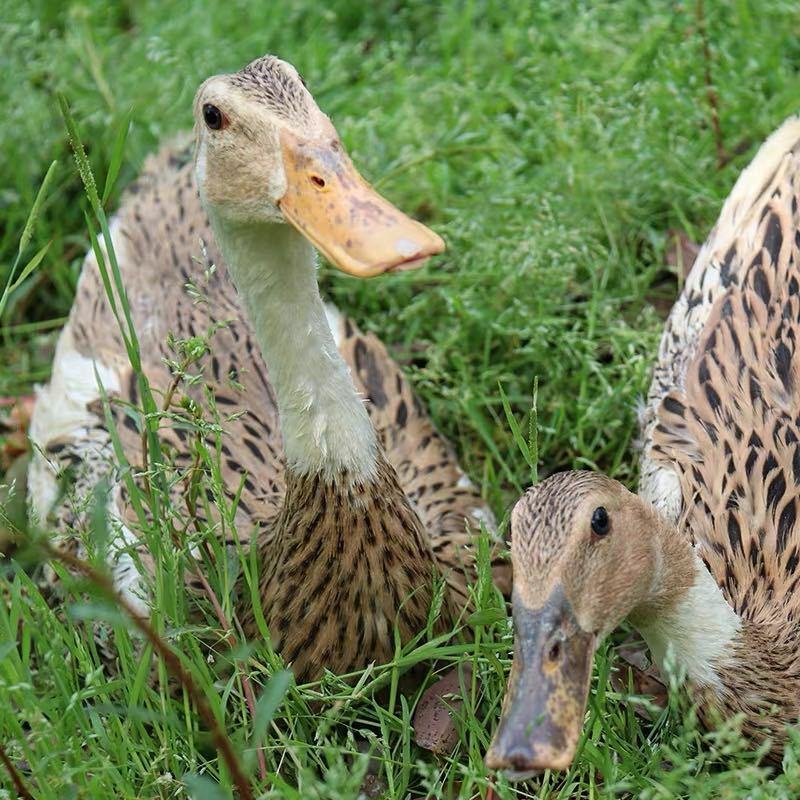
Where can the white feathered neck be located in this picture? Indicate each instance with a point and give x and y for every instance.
(324, 423)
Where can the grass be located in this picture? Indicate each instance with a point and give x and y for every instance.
(554, 145)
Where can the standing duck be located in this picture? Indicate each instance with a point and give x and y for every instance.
(705, 561)
(355, 506)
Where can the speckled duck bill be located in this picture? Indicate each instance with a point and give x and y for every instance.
(355, 228)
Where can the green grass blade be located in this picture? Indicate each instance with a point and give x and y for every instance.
(26, 271)
(533, 433)
(201, 788)
(27, 231)
(117, 154)
(79, 153)
(114, 286)
(516, 430)
(271, 698)
(24, 240)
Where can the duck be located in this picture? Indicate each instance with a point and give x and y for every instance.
(704, 560)
(331, 467)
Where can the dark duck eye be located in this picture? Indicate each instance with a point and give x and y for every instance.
(214, 118)
(601, 524)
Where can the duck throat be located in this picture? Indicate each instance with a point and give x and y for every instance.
(325, 426)
(692, 624)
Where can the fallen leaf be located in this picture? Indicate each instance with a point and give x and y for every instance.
(644, 676)
(15, 426)
(434, 728)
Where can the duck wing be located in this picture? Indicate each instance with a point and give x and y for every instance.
(178, 291)
(449, 505)
(721, 451)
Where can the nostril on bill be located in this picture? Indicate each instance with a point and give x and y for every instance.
(519, 760)
(554, 653)
(515, 755)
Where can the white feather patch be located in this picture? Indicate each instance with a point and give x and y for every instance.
(334, 317)
(697, 633)
(61, 412)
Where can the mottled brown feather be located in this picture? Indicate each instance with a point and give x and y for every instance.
(728, 422)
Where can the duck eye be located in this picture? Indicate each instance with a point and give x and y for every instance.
(601, 524)
(214, 118)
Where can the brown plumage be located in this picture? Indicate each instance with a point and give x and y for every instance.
(345, 556)
(714, 578)
(732, 434)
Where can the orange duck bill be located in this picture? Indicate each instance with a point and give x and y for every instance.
(355, 228)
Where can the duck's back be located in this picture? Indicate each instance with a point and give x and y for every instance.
(722, 424)
(178, 288)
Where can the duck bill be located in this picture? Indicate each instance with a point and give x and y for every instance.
(545, 701)
(355, 228)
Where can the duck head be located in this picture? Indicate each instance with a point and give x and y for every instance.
(265, 153)
(583, 550)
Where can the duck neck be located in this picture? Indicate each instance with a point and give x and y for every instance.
(325, 426)
(686, 619)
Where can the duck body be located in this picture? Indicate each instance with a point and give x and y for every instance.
(723, 430)
(335, 471)
(704, 561)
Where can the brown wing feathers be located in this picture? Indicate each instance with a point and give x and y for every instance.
(733, 430)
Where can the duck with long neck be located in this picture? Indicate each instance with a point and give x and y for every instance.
(346, 536)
